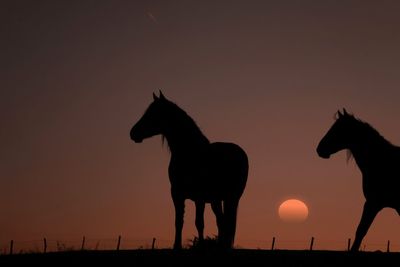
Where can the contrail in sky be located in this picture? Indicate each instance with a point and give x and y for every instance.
(151, 17)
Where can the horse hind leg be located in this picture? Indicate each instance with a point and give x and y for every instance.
(230, 216)
(216, 207)
(200, 205)
(367, 217)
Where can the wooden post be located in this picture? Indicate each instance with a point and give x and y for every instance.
(119, 242)
(44, 245)
(388, 246)
(11, 247)
(273, 243)
(312, 243)
(348, 244)
(83, 243)
(154, 242)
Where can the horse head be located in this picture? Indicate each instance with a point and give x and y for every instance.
(340, 136)
(152, 122)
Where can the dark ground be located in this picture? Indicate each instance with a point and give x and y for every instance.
(238, 257)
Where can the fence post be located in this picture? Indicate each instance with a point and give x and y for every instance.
(312, 243)
(348, 244)
(11, 247)
(83, 243)
(119, 242)
(388, 246)
(273, 243)
(154, 242)
(44, 245)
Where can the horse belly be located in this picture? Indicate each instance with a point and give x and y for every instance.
(383, 188)
(206, 188)
(194, 185)
(220, 172)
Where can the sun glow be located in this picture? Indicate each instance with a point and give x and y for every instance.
(293, 210)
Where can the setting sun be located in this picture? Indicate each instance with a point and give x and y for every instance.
(293, 210)
(261, 101)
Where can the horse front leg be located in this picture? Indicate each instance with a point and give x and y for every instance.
(179, 204)
(200, 205)
(368, 216)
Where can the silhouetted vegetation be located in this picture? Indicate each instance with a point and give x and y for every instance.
(208, 243)
(191, 257)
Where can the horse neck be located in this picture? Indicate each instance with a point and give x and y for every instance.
(368, 154)
(182, 142)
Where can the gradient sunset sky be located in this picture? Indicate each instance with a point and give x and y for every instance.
(267, 75)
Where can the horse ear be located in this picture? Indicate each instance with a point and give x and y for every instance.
(339, 114)
(162, 97)
(155, 97)
(345, 112)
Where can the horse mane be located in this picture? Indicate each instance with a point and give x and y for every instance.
(182, 123)
(370, 133)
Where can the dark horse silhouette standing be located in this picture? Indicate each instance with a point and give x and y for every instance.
(204, 172)
(377, 159)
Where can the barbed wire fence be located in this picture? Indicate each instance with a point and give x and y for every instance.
(84, 243)
(314, 243)
(121, 243)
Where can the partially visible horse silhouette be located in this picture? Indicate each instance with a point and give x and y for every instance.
(377, 159)
(204, 172)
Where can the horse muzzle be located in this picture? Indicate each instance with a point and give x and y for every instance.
(322, 154)
(136, 138)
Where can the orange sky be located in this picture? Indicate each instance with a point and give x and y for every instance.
(268, 75)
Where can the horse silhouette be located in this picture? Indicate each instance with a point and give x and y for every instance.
(204, 172)
(377, 159)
